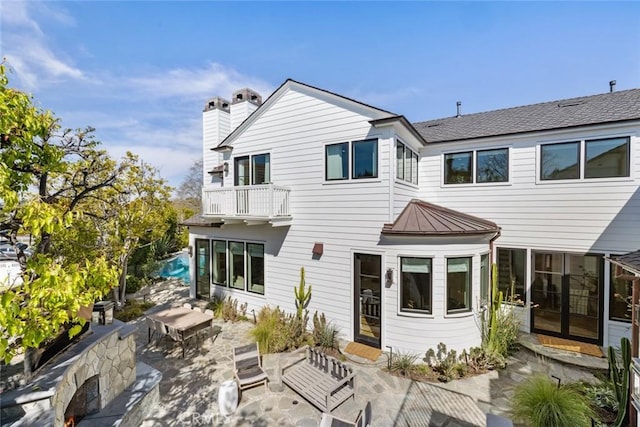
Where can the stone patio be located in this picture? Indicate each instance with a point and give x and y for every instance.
(188, 391)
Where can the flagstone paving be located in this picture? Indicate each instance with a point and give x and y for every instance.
(189, 388)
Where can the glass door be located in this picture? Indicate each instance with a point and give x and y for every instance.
(567, 295)
(203, 272)
(367, 298)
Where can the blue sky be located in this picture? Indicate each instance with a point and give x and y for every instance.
(140, 72)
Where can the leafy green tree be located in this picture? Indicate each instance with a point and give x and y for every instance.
(59, 166)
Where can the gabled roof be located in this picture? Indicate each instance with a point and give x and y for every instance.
(630, 261)
(587, 110)
(420, 218)
(376, 113)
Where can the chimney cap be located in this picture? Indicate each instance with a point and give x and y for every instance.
(217, 103)
(612, 85)
(246, 94)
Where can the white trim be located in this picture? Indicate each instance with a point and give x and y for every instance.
(349, 179)
(414, 314)
(582, 141)
(474, 167)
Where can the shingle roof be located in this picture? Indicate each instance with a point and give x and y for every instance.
(420, 218)
(630, 261)
(587, 110)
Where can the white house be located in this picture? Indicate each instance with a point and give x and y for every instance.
(396, 224)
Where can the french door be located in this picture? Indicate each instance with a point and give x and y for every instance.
(567, 295)
(203, 271)
(367, 299)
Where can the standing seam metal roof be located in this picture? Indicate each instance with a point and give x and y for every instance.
(421, 218)
(587, 110)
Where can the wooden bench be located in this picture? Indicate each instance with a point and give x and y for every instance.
(320, 379)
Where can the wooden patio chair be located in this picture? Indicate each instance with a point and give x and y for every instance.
(247, 366)
(362, 420)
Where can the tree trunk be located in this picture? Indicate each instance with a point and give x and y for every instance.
(27, 364)
(120, 291)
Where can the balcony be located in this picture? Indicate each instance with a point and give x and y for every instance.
(252, 205)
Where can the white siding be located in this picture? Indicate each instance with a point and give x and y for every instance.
(584, 215)
(597, 216)
(215, 127)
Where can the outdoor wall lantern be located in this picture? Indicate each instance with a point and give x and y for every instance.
(190, 248)
(225, 167)
(389, 276)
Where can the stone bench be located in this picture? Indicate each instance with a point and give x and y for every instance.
(322, 380)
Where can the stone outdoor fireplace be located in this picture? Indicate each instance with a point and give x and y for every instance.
(96, 374)
(85, 401)
(81, 381)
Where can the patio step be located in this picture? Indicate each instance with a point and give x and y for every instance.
(133, 404)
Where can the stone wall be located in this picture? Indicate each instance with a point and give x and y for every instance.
(113, 358)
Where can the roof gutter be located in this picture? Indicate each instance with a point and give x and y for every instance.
(403, 121)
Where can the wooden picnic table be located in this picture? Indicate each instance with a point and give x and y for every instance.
(182, 323)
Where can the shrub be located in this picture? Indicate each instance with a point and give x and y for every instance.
(324, 333)
(540, 402)
(276, 331)
(404, 363)
(132, 310)
(227, 309)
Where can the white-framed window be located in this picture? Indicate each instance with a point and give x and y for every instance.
(254, 170)
(351, 160)
(406, 163)
(459, 275)
(585, 159)
(476, 166)
(416, 285)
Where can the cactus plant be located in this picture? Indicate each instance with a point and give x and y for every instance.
(620, 379)
(494, 308)
(302, 296)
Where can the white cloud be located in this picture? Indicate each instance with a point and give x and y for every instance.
(28, 50)
(200, 83)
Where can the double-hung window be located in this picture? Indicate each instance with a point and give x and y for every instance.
(458, 285)
(415, 285)
(585, 159)
(351, 160)
(406, 163)
(477, 166)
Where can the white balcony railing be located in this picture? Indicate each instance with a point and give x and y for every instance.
(261, 201)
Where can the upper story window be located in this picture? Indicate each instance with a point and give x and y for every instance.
(406, 163)
(254, 172)
(364, 160)
(597, 158)
(477, 166)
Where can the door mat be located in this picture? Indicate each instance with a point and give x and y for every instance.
(362, 350)
(569, 345)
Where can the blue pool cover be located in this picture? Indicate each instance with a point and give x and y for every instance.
(176, 267)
